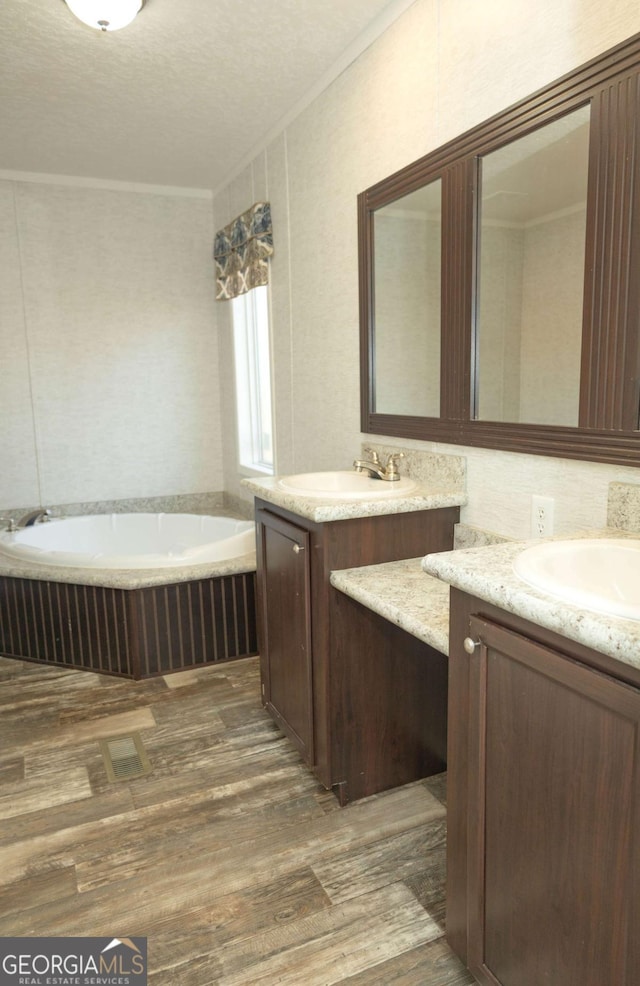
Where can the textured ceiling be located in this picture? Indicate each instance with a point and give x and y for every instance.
(179, 97)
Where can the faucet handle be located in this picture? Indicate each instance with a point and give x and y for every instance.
(374, 455)
(391, 467)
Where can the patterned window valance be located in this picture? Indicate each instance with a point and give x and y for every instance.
(241, 251)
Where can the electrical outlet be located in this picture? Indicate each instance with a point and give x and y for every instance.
(542, 516)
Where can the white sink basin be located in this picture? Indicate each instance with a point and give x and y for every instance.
(597, 574)
(345, 485)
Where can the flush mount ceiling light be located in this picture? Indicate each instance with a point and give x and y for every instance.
(105, 15)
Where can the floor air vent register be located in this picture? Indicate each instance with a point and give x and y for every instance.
(124, 757)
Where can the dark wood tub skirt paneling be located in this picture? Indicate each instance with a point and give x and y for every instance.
(135, 633)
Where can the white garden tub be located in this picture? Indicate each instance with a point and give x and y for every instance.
(131, 541)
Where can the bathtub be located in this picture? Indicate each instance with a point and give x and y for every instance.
(131, 541)
(132, 595)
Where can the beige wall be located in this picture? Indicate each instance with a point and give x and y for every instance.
(444, 66)
(109, 351)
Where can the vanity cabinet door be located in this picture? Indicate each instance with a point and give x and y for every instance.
(553, 818)
(285, 628)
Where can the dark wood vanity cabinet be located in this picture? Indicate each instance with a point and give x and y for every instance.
(389, 703)
(326, 680)
(544, 806)
(287, 672)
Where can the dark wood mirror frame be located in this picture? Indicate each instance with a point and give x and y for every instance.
(610, 363)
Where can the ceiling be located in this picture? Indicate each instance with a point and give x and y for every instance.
(181, 97)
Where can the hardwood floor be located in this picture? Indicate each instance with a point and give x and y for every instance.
(229, 857)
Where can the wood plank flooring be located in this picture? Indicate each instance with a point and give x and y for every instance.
(229, 857)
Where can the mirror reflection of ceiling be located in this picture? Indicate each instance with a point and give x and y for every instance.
(424, 203)
(182, 96)
(538, 176)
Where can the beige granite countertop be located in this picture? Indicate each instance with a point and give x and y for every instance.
(487, 573)
(401, 592)
(414, 594)
(321, 510)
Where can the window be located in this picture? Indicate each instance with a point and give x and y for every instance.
(253, 380)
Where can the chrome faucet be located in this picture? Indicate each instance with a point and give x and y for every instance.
(36, 516)
(375, 468)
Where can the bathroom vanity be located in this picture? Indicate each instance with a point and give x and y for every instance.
(543, 854)
(365, 710)
(542, 738)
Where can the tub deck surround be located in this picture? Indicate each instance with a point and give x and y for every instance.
(324, 510)
(133, 632)
(487, 573)
(122, 578)
(217, 503)
(133, 623)
(401, 592)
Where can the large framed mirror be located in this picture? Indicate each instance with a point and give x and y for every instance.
(499, 284)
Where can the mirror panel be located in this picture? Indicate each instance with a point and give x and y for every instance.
(549, 364)
(407, 238)
(531, 250)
